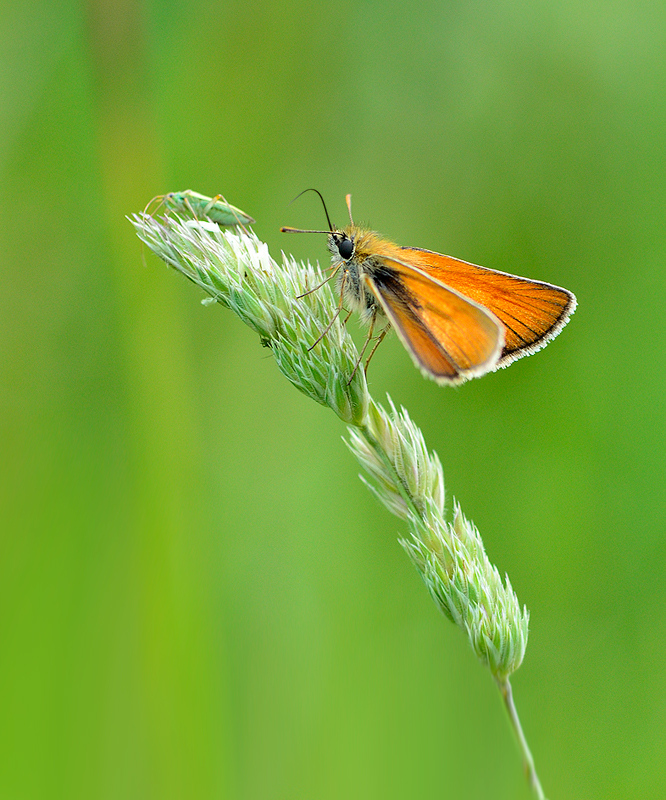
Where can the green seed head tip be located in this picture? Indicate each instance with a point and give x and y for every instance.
(275, 300)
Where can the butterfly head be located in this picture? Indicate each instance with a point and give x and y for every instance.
(342, 244)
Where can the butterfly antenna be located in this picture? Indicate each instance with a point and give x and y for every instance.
(328, 219)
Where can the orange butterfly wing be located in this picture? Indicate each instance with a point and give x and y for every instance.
(531, 312)
(449, 336)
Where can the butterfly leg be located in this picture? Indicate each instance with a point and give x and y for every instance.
(334, 317)
(309, 291)
(380, 339)
(368, 338)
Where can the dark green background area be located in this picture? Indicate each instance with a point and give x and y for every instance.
(198, 597)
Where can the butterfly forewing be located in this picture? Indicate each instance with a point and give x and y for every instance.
(448, 335)
(531, 312)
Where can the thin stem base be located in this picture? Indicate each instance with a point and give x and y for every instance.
(528, 761)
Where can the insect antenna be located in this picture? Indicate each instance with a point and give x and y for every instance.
(328, 219)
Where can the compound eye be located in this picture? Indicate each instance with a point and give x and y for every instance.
(346, 248)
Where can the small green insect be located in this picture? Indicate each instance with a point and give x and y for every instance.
(198, 205)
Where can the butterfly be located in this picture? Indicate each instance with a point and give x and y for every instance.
(457, 320)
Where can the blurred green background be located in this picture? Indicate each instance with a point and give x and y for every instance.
(198, 597)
